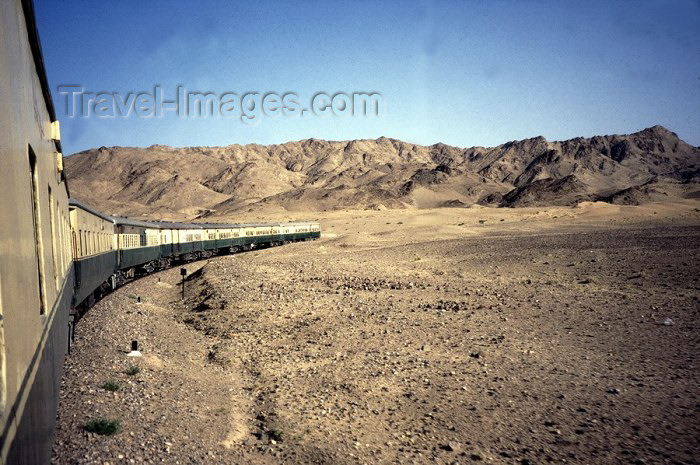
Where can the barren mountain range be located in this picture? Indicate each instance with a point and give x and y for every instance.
(312, 175)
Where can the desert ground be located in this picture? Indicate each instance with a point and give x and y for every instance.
(455, 335)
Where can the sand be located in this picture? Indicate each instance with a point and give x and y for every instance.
(458, 335)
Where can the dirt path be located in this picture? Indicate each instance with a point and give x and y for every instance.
(502, 347)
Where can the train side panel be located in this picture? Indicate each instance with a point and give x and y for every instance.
(35, 262)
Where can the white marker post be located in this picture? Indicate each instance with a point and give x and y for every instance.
(134, 350)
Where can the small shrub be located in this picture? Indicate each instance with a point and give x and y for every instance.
(103, 426)
(110, 385)
(133, 370)
(482, 221)
(275, 434)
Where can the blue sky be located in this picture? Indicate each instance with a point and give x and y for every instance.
(463, 73)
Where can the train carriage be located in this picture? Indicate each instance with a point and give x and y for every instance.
(187, 241)
(225, 237)
(36, 276)
(233, 235)
(263, 234)
(212, 241)
(94, 250)
(139, 245)
(247, 236)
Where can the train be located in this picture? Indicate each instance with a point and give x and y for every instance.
(108, 251)
(58, 256)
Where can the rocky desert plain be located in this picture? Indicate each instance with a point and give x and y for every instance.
(514, 324)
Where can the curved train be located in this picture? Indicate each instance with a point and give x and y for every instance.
(109, 251)
(57, 255)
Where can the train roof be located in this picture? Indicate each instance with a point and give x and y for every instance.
(124, 221)
(89, 209)
(175, 225)
(154, 224)
(119, 220)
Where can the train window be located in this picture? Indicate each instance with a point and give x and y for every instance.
(62, 241)
(38, 244)
(52, 219)
(59, 239)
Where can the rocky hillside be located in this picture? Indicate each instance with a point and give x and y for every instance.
(311, 175)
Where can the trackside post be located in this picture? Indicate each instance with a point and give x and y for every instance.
(183, 272)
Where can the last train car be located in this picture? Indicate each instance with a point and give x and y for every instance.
(36, 278)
